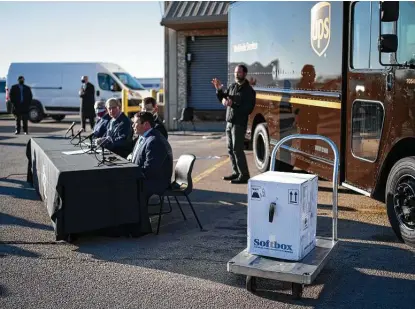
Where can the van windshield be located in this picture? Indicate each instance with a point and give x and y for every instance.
(129, 81)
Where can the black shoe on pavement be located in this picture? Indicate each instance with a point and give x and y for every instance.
(26, 133)
(231, 177)
(17, 132)
(240, 180)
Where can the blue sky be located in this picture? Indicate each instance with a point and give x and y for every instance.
(127, 33)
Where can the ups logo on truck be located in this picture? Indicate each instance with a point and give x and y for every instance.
(320, 27)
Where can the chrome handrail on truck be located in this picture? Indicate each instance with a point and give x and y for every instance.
(335, 167)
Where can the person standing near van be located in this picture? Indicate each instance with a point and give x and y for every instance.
(21, 97)
(87, 94)
(239, 100)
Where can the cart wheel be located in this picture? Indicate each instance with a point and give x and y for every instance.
(297, 290)
(251, 284)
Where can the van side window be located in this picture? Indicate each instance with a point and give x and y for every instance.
(105, 82)
(2, 87)
(364, 36)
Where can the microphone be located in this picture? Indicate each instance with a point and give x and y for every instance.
(90, 137)
(70, 128)
(78, 134)
(105, 141)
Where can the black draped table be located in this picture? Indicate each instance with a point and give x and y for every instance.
(81, 196)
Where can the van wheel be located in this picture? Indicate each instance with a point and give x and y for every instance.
(35, 112)
(58, 117)
(400, 199)
(260, 146)
(262, 151)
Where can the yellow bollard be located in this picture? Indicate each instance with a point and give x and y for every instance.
(124, 101)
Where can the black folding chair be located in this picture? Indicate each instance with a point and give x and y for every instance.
(181, 186)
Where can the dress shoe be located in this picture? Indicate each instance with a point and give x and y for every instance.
(26, 133)
(231, 177)
(240, 180)
(17, 132)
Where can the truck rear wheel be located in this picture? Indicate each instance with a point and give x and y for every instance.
(260, 146)
(400, 199)
(262, 152)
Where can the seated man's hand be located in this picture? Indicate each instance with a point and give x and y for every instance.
(98, 140)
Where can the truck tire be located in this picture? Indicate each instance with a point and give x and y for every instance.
(58, 118)
(261, 148)
(400, 199)
(35, 112)
(262, 151)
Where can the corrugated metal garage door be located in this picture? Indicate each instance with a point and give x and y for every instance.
(209, 60)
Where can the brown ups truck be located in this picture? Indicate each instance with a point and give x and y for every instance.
(342, 70)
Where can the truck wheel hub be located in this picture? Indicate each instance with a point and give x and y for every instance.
(404, 201)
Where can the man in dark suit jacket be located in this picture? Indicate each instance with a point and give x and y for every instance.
(118, 129)
(153, 154)
(87, 93)
(21, 97)
(103, 119)
(150, 105)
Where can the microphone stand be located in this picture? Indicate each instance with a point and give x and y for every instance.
(103, 159)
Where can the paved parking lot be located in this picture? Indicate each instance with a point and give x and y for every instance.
(184, 267)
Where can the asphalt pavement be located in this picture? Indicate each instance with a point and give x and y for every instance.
(184, 267)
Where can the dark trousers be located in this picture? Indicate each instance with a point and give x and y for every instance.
(21, 117)
(235, 135)
(91, 121)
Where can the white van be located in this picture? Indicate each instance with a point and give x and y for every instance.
(3, 96)
(55, 86)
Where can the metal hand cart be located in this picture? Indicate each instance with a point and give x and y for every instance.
(297, 272)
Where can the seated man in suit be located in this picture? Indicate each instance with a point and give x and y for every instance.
(153, 154)
(150, 105)
(118, 129)
(103, 119)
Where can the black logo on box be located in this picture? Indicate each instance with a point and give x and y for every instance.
(293, 196)
(257, 193)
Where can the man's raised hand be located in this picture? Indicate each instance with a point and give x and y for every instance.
(217, 83)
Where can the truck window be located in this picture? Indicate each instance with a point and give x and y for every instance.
(2, 87)
(366, 129)
(105, 82)
(365, 33)
(406, 32)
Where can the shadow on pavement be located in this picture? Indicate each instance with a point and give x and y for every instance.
(6, 219)
(6, 249)
(32, 129)
(182, 248)
(13, 144)
(24, 191)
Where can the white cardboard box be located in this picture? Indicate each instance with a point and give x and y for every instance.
(292, 233)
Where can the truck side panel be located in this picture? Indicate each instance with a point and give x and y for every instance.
(293, 51)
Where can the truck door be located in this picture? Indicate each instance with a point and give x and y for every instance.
(369, 91)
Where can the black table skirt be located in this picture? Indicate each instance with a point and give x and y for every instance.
(82, 197)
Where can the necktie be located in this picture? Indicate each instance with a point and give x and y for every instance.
(111, 125)
(21, 93)
(139, 142)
